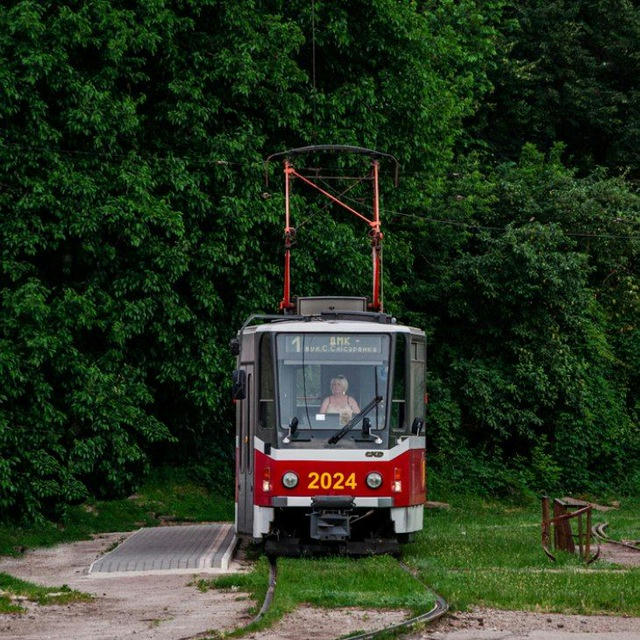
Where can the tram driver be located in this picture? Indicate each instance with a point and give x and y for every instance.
(339, 402)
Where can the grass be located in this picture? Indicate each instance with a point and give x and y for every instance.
(175, 494)
(13, 590)
(624, 523)
(489, 554)
(167, 494)
(475, 553)
(375, 582)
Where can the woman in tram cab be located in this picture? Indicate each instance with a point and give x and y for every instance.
(339, 402)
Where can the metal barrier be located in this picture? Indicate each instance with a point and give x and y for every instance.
(563, 537)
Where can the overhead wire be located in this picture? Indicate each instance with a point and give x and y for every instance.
(479, 227)
(313, 63)
(168, 155)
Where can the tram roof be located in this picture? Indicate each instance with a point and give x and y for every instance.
(330, 325)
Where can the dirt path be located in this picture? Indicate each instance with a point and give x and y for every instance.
(619, 555)
(143, 607)
(312, 623)
(494, 624)
(170, 608)
(149, 607)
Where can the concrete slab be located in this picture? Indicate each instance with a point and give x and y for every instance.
(179, 549)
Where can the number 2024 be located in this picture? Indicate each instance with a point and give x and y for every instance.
(331, 480)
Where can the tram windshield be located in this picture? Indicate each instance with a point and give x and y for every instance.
(325, 380)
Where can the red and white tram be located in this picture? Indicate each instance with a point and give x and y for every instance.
(330, 413)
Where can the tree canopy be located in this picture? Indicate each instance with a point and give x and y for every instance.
(137, 232)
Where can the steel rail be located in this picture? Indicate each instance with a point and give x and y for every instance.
(271, 589)
(598, 532)
(268, 597)
(437, 611)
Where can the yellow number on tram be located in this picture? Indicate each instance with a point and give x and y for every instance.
(335, 481)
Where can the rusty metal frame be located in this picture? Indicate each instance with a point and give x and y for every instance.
(563, 537)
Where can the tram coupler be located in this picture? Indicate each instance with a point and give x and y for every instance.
(330, 517)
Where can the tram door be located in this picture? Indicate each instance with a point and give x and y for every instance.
(246, 430)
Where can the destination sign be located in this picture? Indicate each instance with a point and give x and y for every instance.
(324, 343)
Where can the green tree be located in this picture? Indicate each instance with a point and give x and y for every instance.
(531, 357)
(568, 72)
(135, 229)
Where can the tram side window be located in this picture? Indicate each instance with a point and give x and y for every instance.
(267, 404)
(398, 401)
(418, 363)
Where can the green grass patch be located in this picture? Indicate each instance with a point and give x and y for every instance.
(174, 494)
(489, 554)
(167, 494)
(13, 591)
(375, 582)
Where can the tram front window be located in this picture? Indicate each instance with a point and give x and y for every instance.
(325, 380)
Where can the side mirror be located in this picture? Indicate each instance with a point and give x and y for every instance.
(234, 345)
(417, 426)
(239, 385)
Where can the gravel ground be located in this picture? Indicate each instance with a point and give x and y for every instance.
(152, 607)
(171, 608)
(619, 555)
(144, 607)
(327, 624)
(490, 624)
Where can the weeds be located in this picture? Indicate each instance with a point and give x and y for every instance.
(13, 591)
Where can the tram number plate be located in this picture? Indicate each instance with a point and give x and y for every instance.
(331, 480)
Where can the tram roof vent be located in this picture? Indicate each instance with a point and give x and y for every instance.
(323, 304)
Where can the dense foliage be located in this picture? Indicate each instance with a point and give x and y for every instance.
(569, 73)
(539, 319)
(136, 230)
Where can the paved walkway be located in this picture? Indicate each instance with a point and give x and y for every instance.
(203, 547)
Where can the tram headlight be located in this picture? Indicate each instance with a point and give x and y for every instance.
(290, 480)
(374, 480)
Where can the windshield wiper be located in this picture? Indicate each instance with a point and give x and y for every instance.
(354, 421)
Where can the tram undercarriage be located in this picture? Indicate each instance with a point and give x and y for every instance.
(337, 526)
(332, 528)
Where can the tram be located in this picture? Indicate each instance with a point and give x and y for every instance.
(330, 408)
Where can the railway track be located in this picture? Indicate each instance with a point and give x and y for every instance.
(271, 590)
(438, 610)
(599, 532)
